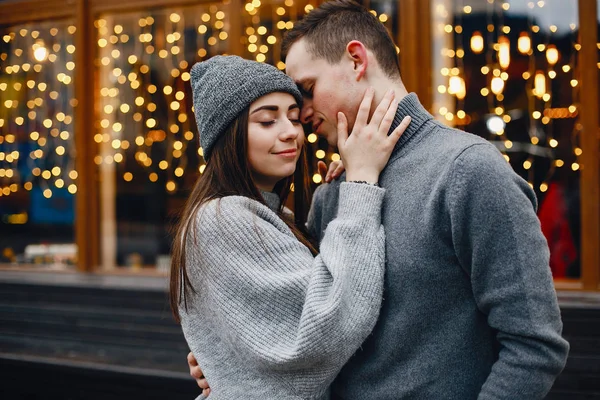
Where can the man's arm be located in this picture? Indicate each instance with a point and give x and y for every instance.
(499, 243)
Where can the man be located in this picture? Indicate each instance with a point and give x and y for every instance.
(469, 310)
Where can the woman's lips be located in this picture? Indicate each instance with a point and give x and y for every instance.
(287, 153)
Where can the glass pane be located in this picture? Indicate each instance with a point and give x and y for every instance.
(508, 71)
(38, 181)
(148, 157)
(148, 147)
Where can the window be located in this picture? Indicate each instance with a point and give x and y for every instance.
(510, 71)
(38, 180)
(148, 154)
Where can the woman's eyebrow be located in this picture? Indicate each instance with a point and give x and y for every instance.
(273, 108)
(267, 107)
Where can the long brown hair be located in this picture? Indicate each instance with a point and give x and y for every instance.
(226, 174)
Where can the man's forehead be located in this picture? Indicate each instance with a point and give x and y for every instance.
(303, 71)
(299, 75)
(298, 61)
(299, 78)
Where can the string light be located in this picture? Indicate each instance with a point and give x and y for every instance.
(541, 108)
(40, 103)
(477, 42)
(503, 52)
(552, 54)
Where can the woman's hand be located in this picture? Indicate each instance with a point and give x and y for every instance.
(366, 151)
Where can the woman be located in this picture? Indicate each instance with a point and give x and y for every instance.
(266, 315)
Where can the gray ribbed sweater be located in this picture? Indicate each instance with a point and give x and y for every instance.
(268, 320)
(469, 308)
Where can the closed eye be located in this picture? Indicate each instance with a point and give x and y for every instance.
(306, 91)
(267, 123)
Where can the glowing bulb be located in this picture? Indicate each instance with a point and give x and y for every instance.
(539, 84)
(457, 87)
(495, 125)
(524, 43)
(503, 52)
(477, 42)
(497, 85)
(552, 54)
(40, 53)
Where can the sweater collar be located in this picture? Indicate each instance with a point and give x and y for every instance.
(410, 106)
(271, 199)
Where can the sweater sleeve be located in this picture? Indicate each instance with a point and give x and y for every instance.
(271, 300)
(499, 243)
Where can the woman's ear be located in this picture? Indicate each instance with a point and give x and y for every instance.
(357, 52)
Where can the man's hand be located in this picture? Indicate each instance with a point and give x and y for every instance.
(335, 170)
(197, 374)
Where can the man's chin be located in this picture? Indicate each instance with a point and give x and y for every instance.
(329, 135)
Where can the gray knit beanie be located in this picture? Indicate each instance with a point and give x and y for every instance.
(224, 86)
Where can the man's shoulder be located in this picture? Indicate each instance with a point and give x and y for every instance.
(458, 139)
(447, 144)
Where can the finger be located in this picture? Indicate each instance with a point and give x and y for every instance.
(395, 135)
(365, 108)
(338, 170)
(322, 169)
(342, 128)
(203, 383)
(191, 360)
(206, 392)
(196, 372)
(388, 119)
(330, 171)
(333, 167)
(382, 108)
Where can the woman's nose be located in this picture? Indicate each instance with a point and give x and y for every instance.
(290, 132)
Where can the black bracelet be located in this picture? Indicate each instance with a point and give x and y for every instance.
(366, 183)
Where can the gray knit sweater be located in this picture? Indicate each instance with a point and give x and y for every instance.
(267, 319)
(469, 308)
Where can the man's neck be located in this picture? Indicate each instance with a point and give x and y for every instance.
(381, 88)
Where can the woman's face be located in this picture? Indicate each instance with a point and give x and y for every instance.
(275, 138)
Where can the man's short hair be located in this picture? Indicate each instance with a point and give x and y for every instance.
(331, 26)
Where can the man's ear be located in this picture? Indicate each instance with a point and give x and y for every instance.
(357, 52)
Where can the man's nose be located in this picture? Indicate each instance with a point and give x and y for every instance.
(307, 112)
